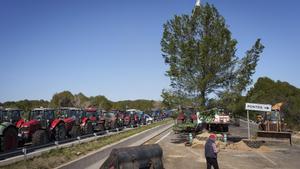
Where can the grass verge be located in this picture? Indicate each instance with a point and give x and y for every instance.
(57, 157)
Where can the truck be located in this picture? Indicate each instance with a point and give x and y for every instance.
(216, 120)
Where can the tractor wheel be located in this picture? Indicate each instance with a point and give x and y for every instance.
(88, 128)
(9, 140)
(115, 125)
(101, 127)
(60, 132)
(40, 137)
(225, 128)
(75, 131)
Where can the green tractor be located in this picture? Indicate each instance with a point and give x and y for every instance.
(9, 120)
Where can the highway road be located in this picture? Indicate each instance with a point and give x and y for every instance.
(95, 159)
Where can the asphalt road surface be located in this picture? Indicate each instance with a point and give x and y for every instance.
(178, 156)
(95, 160)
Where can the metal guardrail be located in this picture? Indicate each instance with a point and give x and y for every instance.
(30, 148)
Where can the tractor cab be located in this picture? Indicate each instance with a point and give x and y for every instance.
(110, 120)
(135, 120)
(12, 115)
(127, 118)
(93, 114)
(41, 123)
(45, 116)
(72, 115)
(120, 117)
(8, 130)
(96, 117)
(76, 121)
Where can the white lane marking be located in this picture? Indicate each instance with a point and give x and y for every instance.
(271, 161)
(163, 138)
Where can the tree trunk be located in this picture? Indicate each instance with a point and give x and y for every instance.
(202, 100)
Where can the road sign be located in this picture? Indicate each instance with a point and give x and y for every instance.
(258, 107)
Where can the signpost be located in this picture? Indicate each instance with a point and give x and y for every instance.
(256, 107)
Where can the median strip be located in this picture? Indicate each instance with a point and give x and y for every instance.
(56, 157)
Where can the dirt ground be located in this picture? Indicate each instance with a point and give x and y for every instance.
(275, 155)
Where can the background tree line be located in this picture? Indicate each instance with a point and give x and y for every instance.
(67, 99)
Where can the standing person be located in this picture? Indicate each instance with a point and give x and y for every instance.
(211, 152)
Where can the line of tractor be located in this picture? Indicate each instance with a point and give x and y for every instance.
(44, 125)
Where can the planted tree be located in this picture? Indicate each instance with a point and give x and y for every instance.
(201, 55)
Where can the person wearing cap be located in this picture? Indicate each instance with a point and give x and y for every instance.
(211, 152)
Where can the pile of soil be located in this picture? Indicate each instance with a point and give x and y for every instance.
(198, 144)
(242, 146)
(203, 136)
(263, 149)
(200, 140)
(239, 146)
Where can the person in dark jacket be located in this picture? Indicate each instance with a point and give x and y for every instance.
(211, 152)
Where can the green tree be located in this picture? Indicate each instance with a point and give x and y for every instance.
(62, 99)
(101, 102)
(26, 105)
(268, 91)
(200, 53)
(80, 100)
(175, 99)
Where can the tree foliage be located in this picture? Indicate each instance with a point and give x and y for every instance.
(62, 99)
(100, 102)
(268, 91)
(200, 53)
(145, 105)
(67, 99)
(26, 105)
(175, 99)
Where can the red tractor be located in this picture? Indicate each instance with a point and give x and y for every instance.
(120, 118)
(187, 115)
(134, 117)
(9, 120)
(111, 120)
(42, 126)
(126, 118)
(97, 118)
(77, 122)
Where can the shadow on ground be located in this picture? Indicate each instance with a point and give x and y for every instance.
(179, 138)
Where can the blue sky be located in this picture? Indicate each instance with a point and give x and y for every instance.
(112, 48)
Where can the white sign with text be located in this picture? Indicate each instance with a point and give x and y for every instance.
(258, 107)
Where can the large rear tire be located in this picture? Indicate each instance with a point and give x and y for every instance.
(40, 137)
(9, 140)
(88, 128)
(60, 132)
(101, 127)
(75, 131)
